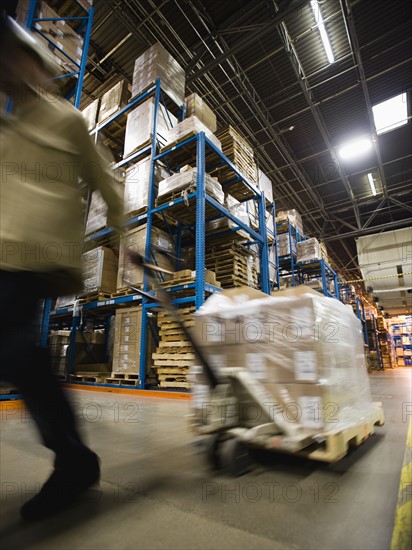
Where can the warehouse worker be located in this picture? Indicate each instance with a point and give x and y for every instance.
(45, 151)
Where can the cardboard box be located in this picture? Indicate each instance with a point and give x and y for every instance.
(265, 185)
(293, 216)
(308, 250)
(99, 270)
(90, 114)
(156, 62)
(186, 180)
(286, 246)
(139, 126)
(196, 106)
(113, 100)
(135, 240)
(189, 126)
(136, 191)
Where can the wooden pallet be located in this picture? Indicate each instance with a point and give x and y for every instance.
(137, 212)
(122, 382)
(125, 375)
(95, 297)
(172, 370)
(8, 390)
(124, 292)
(172, 384)
(337, 443)
(86, 378)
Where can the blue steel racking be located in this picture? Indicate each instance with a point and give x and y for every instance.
(200, 198)
(319, 269)
(85, 23)
(287, 263)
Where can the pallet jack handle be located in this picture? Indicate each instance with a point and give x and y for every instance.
(165, 301)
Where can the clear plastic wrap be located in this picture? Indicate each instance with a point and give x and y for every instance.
(113, 100)
(308, 250)
(293, 216)
(237, 209)
(59, 341)
(196, 106)
(136, 190)
(135, 241)
(90, 114)
(139, 126)
(156, 62)
(265, 185)
(99, 270)
(97, 215)
(186, 181)
(189, 126)
(286, 246)
(305, 349)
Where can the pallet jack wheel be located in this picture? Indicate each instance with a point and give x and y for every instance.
(213, 448)
(236, 457)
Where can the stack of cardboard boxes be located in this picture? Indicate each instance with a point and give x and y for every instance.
(306, 351)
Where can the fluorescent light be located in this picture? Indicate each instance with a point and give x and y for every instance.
(372, 184)
(390, 114)
(355, 148)
(322, 31)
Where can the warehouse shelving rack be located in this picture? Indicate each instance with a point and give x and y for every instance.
(287, 263)
(405, 331)
(84, 24)
(200, 199)
(319, 269)
(373, 340)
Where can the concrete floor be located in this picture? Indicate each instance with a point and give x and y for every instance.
(157, 491)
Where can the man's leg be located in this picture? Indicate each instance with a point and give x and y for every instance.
(26, 366)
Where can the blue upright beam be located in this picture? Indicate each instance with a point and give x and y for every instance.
(83, 62)
(200, 247)
(264, 249)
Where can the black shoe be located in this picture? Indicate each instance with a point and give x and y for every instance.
(62, 489)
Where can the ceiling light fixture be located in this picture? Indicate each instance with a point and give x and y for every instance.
(372, 184)
(322, 31)
(355, 148)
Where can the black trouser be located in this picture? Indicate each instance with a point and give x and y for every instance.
(27, 366)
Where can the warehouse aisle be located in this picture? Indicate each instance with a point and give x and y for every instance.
(157, 491)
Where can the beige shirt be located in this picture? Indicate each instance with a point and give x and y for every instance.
(45, 152)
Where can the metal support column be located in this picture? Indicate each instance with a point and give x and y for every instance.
(73, 334)
(200, 221)
(147, 253)
(83, 62)
(264, 246)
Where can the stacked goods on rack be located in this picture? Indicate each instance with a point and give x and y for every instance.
(97, 213)
(240, 153)
(187, 276)
(265, 185)
(174, 354)
(324, 252)
(187, 128)
(127, 343)
(286, 244)
(113, 100)
(59, 341)
(58, 35)
(184, 183)
(137, 185)
(237, 209)
(197, 107)
(233, 264)
(135, 241)
(65, 301)
(90, 114)
(294, 218)
(139, 126)
(308, 250)
(100, 268)
(320, 382)
(156, 62)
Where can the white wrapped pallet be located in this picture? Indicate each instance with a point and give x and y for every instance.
(90, 114)
(196, 106)
(139, 126)
(135, 241)
(308, 250)
(156, 62)
(113, 100)
(286, 246)
(323, 375)
(293, 216)
(99, 270)
(189, 126)
(265, 185)
(185, 180)
(136, 187)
